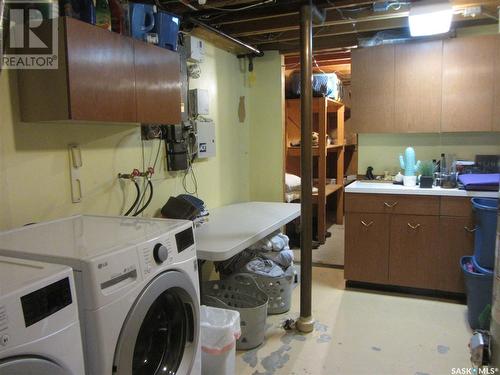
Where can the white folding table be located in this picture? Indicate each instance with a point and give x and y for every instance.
(231, 229)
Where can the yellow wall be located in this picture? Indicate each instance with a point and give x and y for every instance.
(34, 163)
(266, 129)
(381, 151)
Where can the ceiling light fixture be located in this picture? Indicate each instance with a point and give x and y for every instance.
(430, 17)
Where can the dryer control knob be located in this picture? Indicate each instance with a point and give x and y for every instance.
(160, 253)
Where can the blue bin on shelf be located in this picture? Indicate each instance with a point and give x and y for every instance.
(167, 29)
(479, 289)
(485, 210)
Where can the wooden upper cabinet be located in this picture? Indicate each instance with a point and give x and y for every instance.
(418, 69)
(373, 90)
(104, 77)
(158, 86)
(100, 66)
(496, 108)
(468, 83)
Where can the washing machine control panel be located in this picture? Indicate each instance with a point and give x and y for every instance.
(157, 253)
(184, 239)
(172, 247)
(37, 310)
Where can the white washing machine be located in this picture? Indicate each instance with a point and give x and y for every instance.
(137, 286)
(39, 327)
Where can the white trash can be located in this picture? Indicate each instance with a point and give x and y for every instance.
(220, 328)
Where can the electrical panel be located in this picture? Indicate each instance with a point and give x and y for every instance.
(205, 131)
(195, 49)
(176, 148)
(198, 102)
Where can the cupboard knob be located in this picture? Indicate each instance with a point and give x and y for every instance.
(390, 205)
(414, 226)
(366, 224)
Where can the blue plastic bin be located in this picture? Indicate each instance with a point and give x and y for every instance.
(479, 268)
(486, 223)
(479, 289)
(167, 28)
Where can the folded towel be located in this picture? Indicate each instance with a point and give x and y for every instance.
(471, 181)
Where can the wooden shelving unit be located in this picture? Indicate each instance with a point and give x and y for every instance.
(328, 119)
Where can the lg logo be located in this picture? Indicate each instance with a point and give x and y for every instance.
(29, 35)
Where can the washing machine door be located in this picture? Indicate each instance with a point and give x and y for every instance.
(30, 366)
(161, 332)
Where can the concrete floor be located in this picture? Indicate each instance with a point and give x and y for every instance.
(360, 332)
(332, 251)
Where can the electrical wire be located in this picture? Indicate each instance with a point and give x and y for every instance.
(317, 66)
(138, 193)
(190, 172)
(150, 198)
(192, 152)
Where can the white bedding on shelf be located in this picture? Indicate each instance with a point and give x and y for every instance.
(293, 186)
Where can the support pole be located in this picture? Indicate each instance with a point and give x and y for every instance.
(305, 323)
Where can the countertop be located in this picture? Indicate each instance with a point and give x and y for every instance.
(231, 229)
(390, 188)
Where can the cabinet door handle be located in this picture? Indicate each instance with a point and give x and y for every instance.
(470, 230)
(390, 205)
(414, 226)
(367, 224)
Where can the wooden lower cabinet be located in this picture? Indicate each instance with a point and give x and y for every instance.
(367, 247)
(388, 245)
(456, 239)
(413, 250)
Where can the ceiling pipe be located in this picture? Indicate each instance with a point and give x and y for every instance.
(252, 50)
(305, 323)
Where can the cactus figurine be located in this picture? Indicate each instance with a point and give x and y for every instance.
(408, 162)
(409, 166)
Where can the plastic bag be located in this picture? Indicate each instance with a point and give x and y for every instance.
(220, 328)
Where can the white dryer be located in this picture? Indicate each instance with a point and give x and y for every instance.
(39, 327)
(137, 285)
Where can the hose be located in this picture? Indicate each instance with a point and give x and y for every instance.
(136, 199)
(150, 198)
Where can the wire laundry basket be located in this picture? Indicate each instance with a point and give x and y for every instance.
(278, 289)
(240, 292)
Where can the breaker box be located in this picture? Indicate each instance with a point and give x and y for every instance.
(205, 134)
(195, 48)
(198, 102)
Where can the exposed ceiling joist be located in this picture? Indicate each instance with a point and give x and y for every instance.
(334, 30)
(274, 25)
